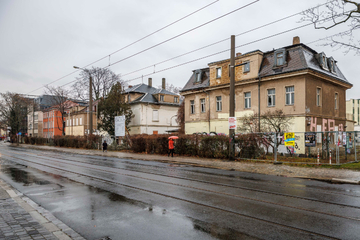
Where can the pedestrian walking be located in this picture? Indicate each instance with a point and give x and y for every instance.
(171, 147)
(104, 146)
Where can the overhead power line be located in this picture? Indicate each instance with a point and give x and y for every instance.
(227, 50)
(261, 39)
(181, 34)
(160, 29)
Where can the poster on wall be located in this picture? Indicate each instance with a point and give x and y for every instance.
(310, 139)
(289, 139)
(299, 147)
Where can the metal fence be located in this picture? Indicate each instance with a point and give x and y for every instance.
(300, 147)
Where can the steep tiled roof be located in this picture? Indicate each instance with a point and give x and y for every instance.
(205, 80)
(148, 94)
(298, 57)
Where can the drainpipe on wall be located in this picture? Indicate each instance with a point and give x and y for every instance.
(209, 108)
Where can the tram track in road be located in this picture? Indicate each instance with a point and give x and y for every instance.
(211, 191)
(206, 182)
(107, 181)
(286, 185)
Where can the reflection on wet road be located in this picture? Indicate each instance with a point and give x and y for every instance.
(133, 199)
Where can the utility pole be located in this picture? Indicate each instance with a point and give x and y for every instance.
(232, 98)
(90, 106)
(90, 100)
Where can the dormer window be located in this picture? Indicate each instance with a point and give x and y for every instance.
(323, 61)
(161, 98)
(280, 57)
(176, 99)
(197, 77)
(331, 64)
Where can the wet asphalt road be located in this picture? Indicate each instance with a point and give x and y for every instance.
(132, 199)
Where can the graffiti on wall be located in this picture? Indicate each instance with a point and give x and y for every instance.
(326, 125)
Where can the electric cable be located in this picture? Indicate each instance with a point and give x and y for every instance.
(108, 55)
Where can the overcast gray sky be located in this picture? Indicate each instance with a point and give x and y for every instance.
(42, 40)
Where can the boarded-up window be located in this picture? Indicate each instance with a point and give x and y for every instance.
(155, 115)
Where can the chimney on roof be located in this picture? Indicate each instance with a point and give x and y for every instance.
(296, 40)
(150, 82)
(130, 86)
(238, 54)
(163, 83)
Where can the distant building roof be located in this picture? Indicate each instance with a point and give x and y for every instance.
(203, 83)
(148, 94)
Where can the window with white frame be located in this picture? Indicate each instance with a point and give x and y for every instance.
(202, 103)
(290, 94)
(161, 98)
(218, 72)
(271, 97)
(192, 106)
(176, 99)
(77, 121)
(67, 122)
(318, 97)
(247, 67)
(247, 97)
(336, 100)
(81, 121)
(218, 104)
(155, 116)
(73, 123)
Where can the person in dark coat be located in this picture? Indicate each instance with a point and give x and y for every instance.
(104, 146)
(171, 147)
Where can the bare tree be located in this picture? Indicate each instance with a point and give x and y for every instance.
(103, 80)
(270, 122)
(171, 88)
(333, 14)
(13, 111)
(60, 102)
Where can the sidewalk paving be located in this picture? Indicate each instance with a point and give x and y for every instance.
(331, 175)
(21, 218)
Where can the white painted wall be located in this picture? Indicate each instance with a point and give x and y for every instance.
(143, 120)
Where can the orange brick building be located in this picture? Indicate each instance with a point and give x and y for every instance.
(53, 123)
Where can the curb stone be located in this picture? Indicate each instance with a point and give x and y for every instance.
(41, 215)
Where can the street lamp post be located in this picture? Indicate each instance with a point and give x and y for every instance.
(90, 100)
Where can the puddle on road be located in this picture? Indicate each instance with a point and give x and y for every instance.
(22, 176)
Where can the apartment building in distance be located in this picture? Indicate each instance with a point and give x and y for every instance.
(155, 109)
(353, 112)
(35, 115)
(305, 84)
(77, 120)
(53, 122)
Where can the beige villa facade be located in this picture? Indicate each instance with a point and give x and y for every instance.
(77, 120)
(155, 110)
(303, 83)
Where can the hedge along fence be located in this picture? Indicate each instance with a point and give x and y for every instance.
(189, 145)
(66, 141)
